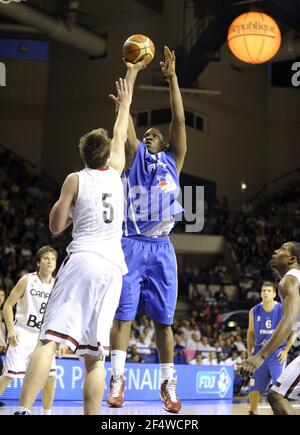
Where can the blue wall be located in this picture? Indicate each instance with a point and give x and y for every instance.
(142, 382)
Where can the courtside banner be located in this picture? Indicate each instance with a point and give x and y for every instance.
(142, 382)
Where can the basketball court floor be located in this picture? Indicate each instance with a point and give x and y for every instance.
(237, 407)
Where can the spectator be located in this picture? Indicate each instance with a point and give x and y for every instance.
(212, 359)
(239, 345)
(133, 355)
(197, 361)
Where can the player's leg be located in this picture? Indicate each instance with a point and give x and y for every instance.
(48, 395)
(49, 390)
(160, 303)
(279, 404)
(37, 373)
(93, 386)
(286, 387)
(254, 398)
(136, 259)
(5, 381)
(259, 384)
(119, 338)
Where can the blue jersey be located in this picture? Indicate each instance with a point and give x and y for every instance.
(265, 324)
(151, 189)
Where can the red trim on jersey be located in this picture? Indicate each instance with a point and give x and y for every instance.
(65, 337)
(103, 169)
(88, 346)
(292, 387)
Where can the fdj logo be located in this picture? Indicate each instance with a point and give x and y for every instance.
(296, 76)
(2, 74)
(213, 382)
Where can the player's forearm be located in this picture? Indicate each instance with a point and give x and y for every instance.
(176, 100)
(281, 333)
(131, 76)
(121, 124)
(8, 316)
(290, 342)
(250, 343)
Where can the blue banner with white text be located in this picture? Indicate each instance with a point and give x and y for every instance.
(142, 382)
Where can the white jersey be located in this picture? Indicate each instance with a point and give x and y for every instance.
(296, 274)
(98, 215)
(31, 307)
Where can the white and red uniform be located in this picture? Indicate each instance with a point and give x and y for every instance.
(86, 294)
(288, 384)
(28, 319)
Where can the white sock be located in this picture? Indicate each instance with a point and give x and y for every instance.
(166, 371)
(22, 409)
(47, 411)
(118, 358)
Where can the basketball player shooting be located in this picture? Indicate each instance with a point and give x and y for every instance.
(85, 296)
(286, 261)
(153, 167)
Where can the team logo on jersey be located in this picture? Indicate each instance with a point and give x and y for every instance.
(155, 165)
(258, 318)
(166, 184)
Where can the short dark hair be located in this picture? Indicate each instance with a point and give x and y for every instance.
(94, 148)
(42, 251)
(269, 284)
(296, 250)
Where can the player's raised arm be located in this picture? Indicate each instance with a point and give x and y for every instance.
(131, 75)
(178, 141)
(59, 218)
(123, 100)
(16, 294)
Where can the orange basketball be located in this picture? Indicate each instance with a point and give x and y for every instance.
(136, 47)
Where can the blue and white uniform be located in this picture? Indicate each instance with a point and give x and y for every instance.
(151, 208)
(265, 324)
(288, 385)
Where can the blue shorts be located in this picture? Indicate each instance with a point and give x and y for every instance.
(151, 282)
(267, 373)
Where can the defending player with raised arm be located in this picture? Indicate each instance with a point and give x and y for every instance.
(85, 296)
(286, 261)
(152, 186)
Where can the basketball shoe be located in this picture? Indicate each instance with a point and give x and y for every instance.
(115, 398)
(169, 397)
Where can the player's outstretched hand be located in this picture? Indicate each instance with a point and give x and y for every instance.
(136, 67)
(282, 357)
(168, 67)
(248, 367)
(124, 91)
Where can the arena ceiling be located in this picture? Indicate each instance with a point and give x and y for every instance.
(97, 14)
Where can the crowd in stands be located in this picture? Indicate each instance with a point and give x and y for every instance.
(26, 198)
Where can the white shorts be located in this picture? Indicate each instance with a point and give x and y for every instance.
(288, 384)
(17, 358)
(82, 304)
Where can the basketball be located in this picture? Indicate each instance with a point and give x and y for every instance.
(136, 47)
